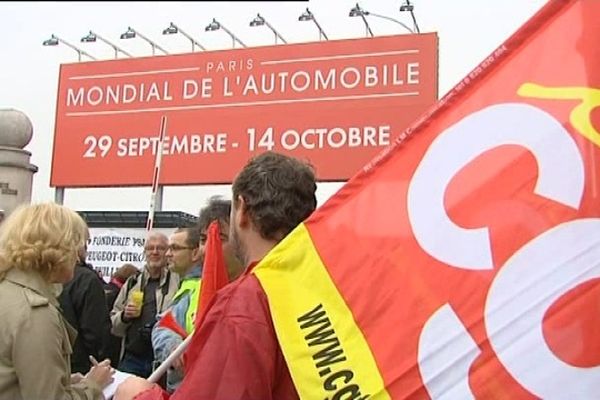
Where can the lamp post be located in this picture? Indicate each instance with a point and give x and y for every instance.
(260, 20)
(308, 16)
(173, 29)
(215, 25)
(55, 40)
(131, 33)
(356, 11)
(92, 37)
(410, 8)
(59, 192)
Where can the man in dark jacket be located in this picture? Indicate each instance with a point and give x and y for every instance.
(84, 307)
(111, 291)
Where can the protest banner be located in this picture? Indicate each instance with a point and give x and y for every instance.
(109, 248)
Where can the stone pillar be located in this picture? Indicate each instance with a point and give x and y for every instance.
(16, 172)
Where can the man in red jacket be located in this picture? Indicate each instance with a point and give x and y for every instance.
(239, 356)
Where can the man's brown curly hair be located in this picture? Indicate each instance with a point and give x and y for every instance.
(279, 192)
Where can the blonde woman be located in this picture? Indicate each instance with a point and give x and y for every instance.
(38, 249)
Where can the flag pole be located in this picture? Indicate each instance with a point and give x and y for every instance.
(162, 368)
(156, 173)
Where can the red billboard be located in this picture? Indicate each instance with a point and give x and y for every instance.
(334, 103)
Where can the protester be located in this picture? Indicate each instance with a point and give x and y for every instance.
(186, 256)
(184, 259)
(220, 210)
(111, 291)
(84, 307)
(239, 356)
(154, 287)
(38, 249)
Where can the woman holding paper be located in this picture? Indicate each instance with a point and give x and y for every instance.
(38, 249)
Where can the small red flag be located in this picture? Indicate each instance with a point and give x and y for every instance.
(214, 272)
(214, 277)
(168, 321)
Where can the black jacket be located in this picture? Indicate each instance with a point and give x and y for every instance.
(111, 291)
(84, 307)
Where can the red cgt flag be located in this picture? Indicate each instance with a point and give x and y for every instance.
(214, 277)
(464, 261)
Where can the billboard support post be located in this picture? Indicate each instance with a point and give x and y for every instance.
(159, 198)
(59, 195)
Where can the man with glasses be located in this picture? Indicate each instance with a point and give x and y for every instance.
(155, 286)
(186, 256)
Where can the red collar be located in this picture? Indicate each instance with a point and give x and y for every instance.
(116, 282)
(250, 267)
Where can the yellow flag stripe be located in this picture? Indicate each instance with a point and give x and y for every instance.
(327, 354)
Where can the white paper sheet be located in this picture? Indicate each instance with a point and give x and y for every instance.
(119, 377)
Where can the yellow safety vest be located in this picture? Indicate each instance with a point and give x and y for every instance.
(192, 285)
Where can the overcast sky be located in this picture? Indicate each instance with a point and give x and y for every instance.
(468, 31)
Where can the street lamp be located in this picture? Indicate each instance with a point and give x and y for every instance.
(308, 16)
(59, 193)
(55, 40)
(356, 11)
(173, 29)
(410, 8)
(92, 37)
(130, 33)
(215, 25)
(259, 20)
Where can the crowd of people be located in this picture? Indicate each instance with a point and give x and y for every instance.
(59, 317)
